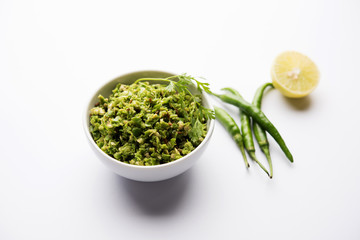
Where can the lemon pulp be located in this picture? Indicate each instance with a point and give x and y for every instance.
(294, 74)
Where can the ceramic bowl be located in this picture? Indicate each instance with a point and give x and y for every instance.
(144, 173)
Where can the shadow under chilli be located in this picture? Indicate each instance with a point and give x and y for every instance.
(157, 198)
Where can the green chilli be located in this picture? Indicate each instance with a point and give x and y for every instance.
(228, 122)
(259, 133)
(258, 116)
(246, 132)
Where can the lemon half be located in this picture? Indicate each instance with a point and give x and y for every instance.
(294, 74)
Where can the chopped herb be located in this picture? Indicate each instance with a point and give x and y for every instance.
(149, 124)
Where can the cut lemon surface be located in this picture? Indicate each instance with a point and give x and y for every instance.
(294, 74)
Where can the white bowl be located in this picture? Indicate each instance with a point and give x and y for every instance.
(144, 173)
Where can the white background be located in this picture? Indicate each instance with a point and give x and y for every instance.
(54, 55)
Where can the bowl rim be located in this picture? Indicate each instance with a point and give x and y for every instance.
(210, 130)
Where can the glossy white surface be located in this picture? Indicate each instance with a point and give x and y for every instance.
(144, 173)
(53, 54)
